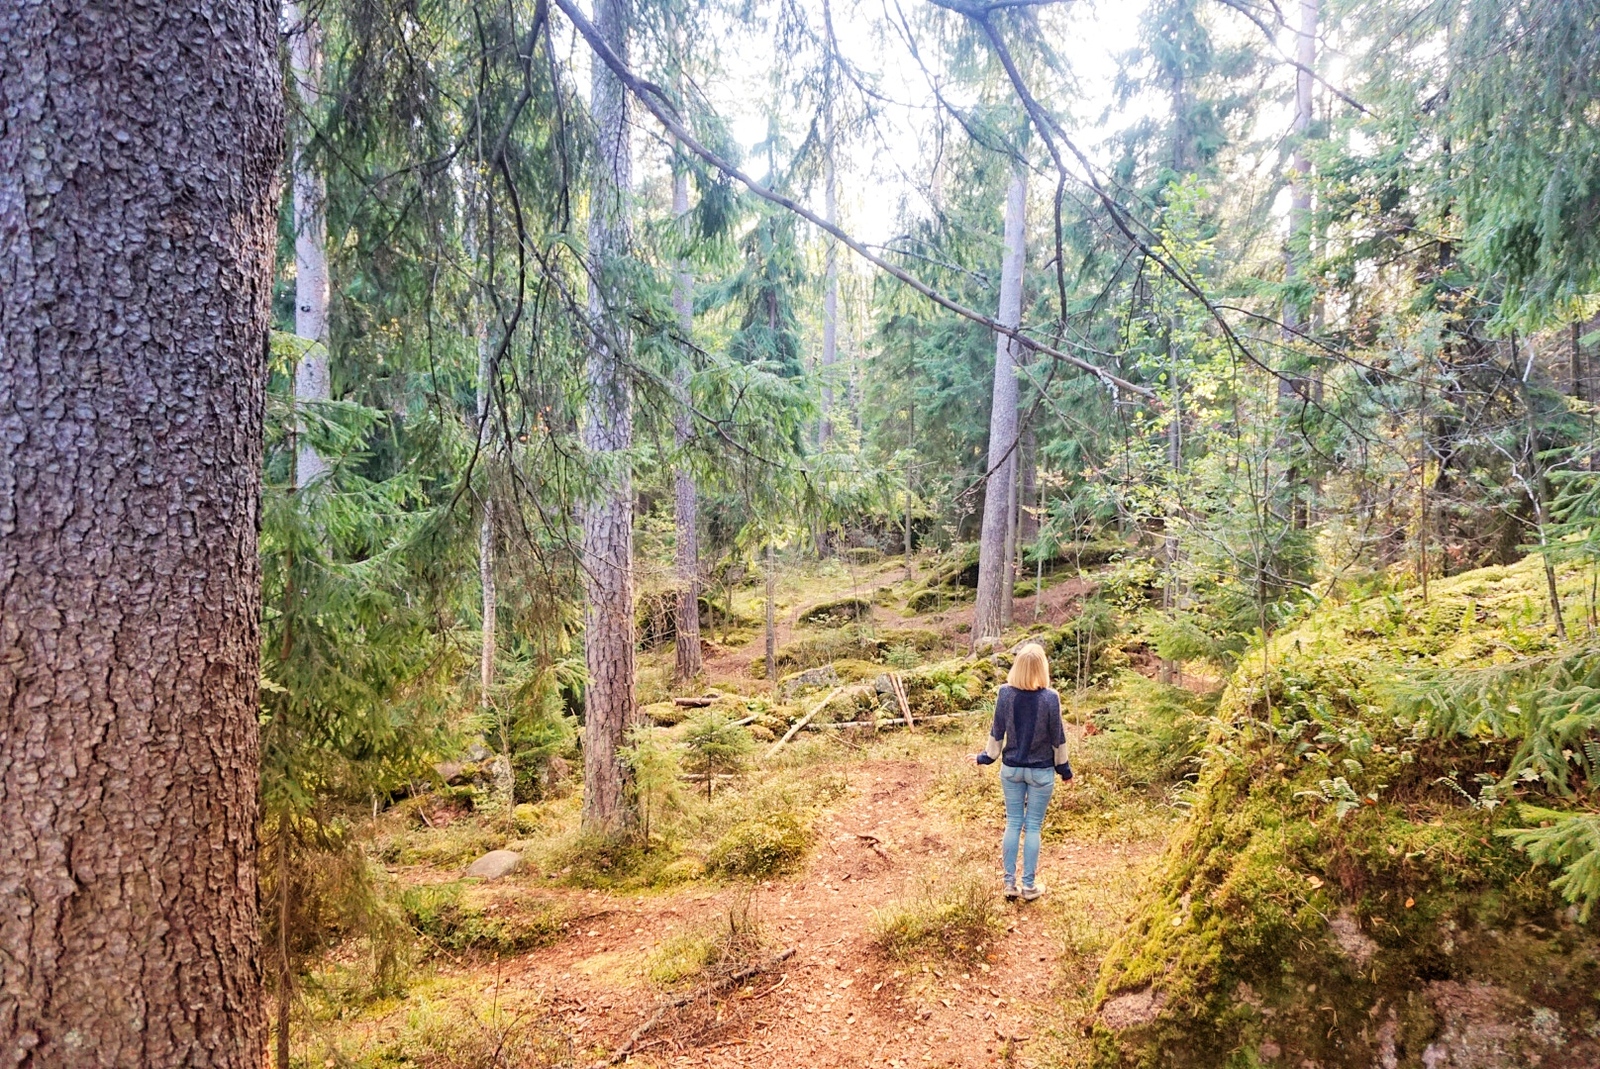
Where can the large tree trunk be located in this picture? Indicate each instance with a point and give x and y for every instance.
(608, 436)
(994, 565)
(138, 166)
(310, 229)
(686, 498)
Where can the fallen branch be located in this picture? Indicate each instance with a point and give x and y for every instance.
(731, 980)
(898, 685)
(693, 703)
(897, 721)
(803, 721)
(873, 841)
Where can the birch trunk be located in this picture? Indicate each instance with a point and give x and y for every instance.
(994, 565)
(138, 207)
(608, 438)
(310, 231)
(686, 498)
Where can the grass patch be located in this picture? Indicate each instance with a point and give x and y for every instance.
(444, 1025)
(731, 942)
(955, 919)
(450, 846)
(767, 845)
(451, 917)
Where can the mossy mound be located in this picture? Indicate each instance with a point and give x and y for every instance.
(763, 846)
(837, 612)
(935, 598)
(460, 918)
(1343, 893)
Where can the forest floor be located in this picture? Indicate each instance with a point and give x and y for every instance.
(912, 822)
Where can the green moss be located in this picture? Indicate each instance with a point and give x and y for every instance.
(449, 916)
(933, 598)
(1327, 862)
(837, 612)
(763, 846)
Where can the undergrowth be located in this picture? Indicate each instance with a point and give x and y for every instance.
(957, 918)
(1357, 831)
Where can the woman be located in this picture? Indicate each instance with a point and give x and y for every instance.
(1031, 742)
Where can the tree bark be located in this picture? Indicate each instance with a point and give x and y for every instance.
(139, 159)
(489, 600)
(311, 380)
(1296, 249)
(686, 496)
(609, 708)
(994, 567)
(772, 616)
(830, 290)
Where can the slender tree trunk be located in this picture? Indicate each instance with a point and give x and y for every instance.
(686, 499)
(772, 615)
(311, 382)
(1575, 360)
(1009, 583)
(489, 605)
(1296, 249)
(830, 289)
(285, 977)
(139, 159)
(609, 708)
(909, 570)
(994, 566)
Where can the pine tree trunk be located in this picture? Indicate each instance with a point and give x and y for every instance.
(310, 229)
(686, 498)
(139, 160)
(994, 566)
(608, 437)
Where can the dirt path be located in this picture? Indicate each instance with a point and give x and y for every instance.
(836, 1001)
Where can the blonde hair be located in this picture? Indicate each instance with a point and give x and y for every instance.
(1031, 670)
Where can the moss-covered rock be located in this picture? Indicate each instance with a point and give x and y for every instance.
(838, 612)
(1342, 894)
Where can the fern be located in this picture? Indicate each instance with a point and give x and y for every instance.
(1570, 840)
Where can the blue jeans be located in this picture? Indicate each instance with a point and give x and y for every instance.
(1027, 792)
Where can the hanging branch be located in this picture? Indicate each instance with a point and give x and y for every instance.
(659, 104)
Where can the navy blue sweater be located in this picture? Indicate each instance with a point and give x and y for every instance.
(1027, 731)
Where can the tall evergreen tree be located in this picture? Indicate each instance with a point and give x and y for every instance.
(139, 159)
(608, 437)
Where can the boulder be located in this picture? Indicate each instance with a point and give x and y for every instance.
(495, 864)
(1133, 1009)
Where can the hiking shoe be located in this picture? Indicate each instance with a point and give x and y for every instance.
(1011, 889)
(1032, 891)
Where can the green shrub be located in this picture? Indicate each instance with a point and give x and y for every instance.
(763, 846)
(715, 746)
(1152, 732)
(957, 919)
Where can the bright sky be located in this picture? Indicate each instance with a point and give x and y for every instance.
(891, 165)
